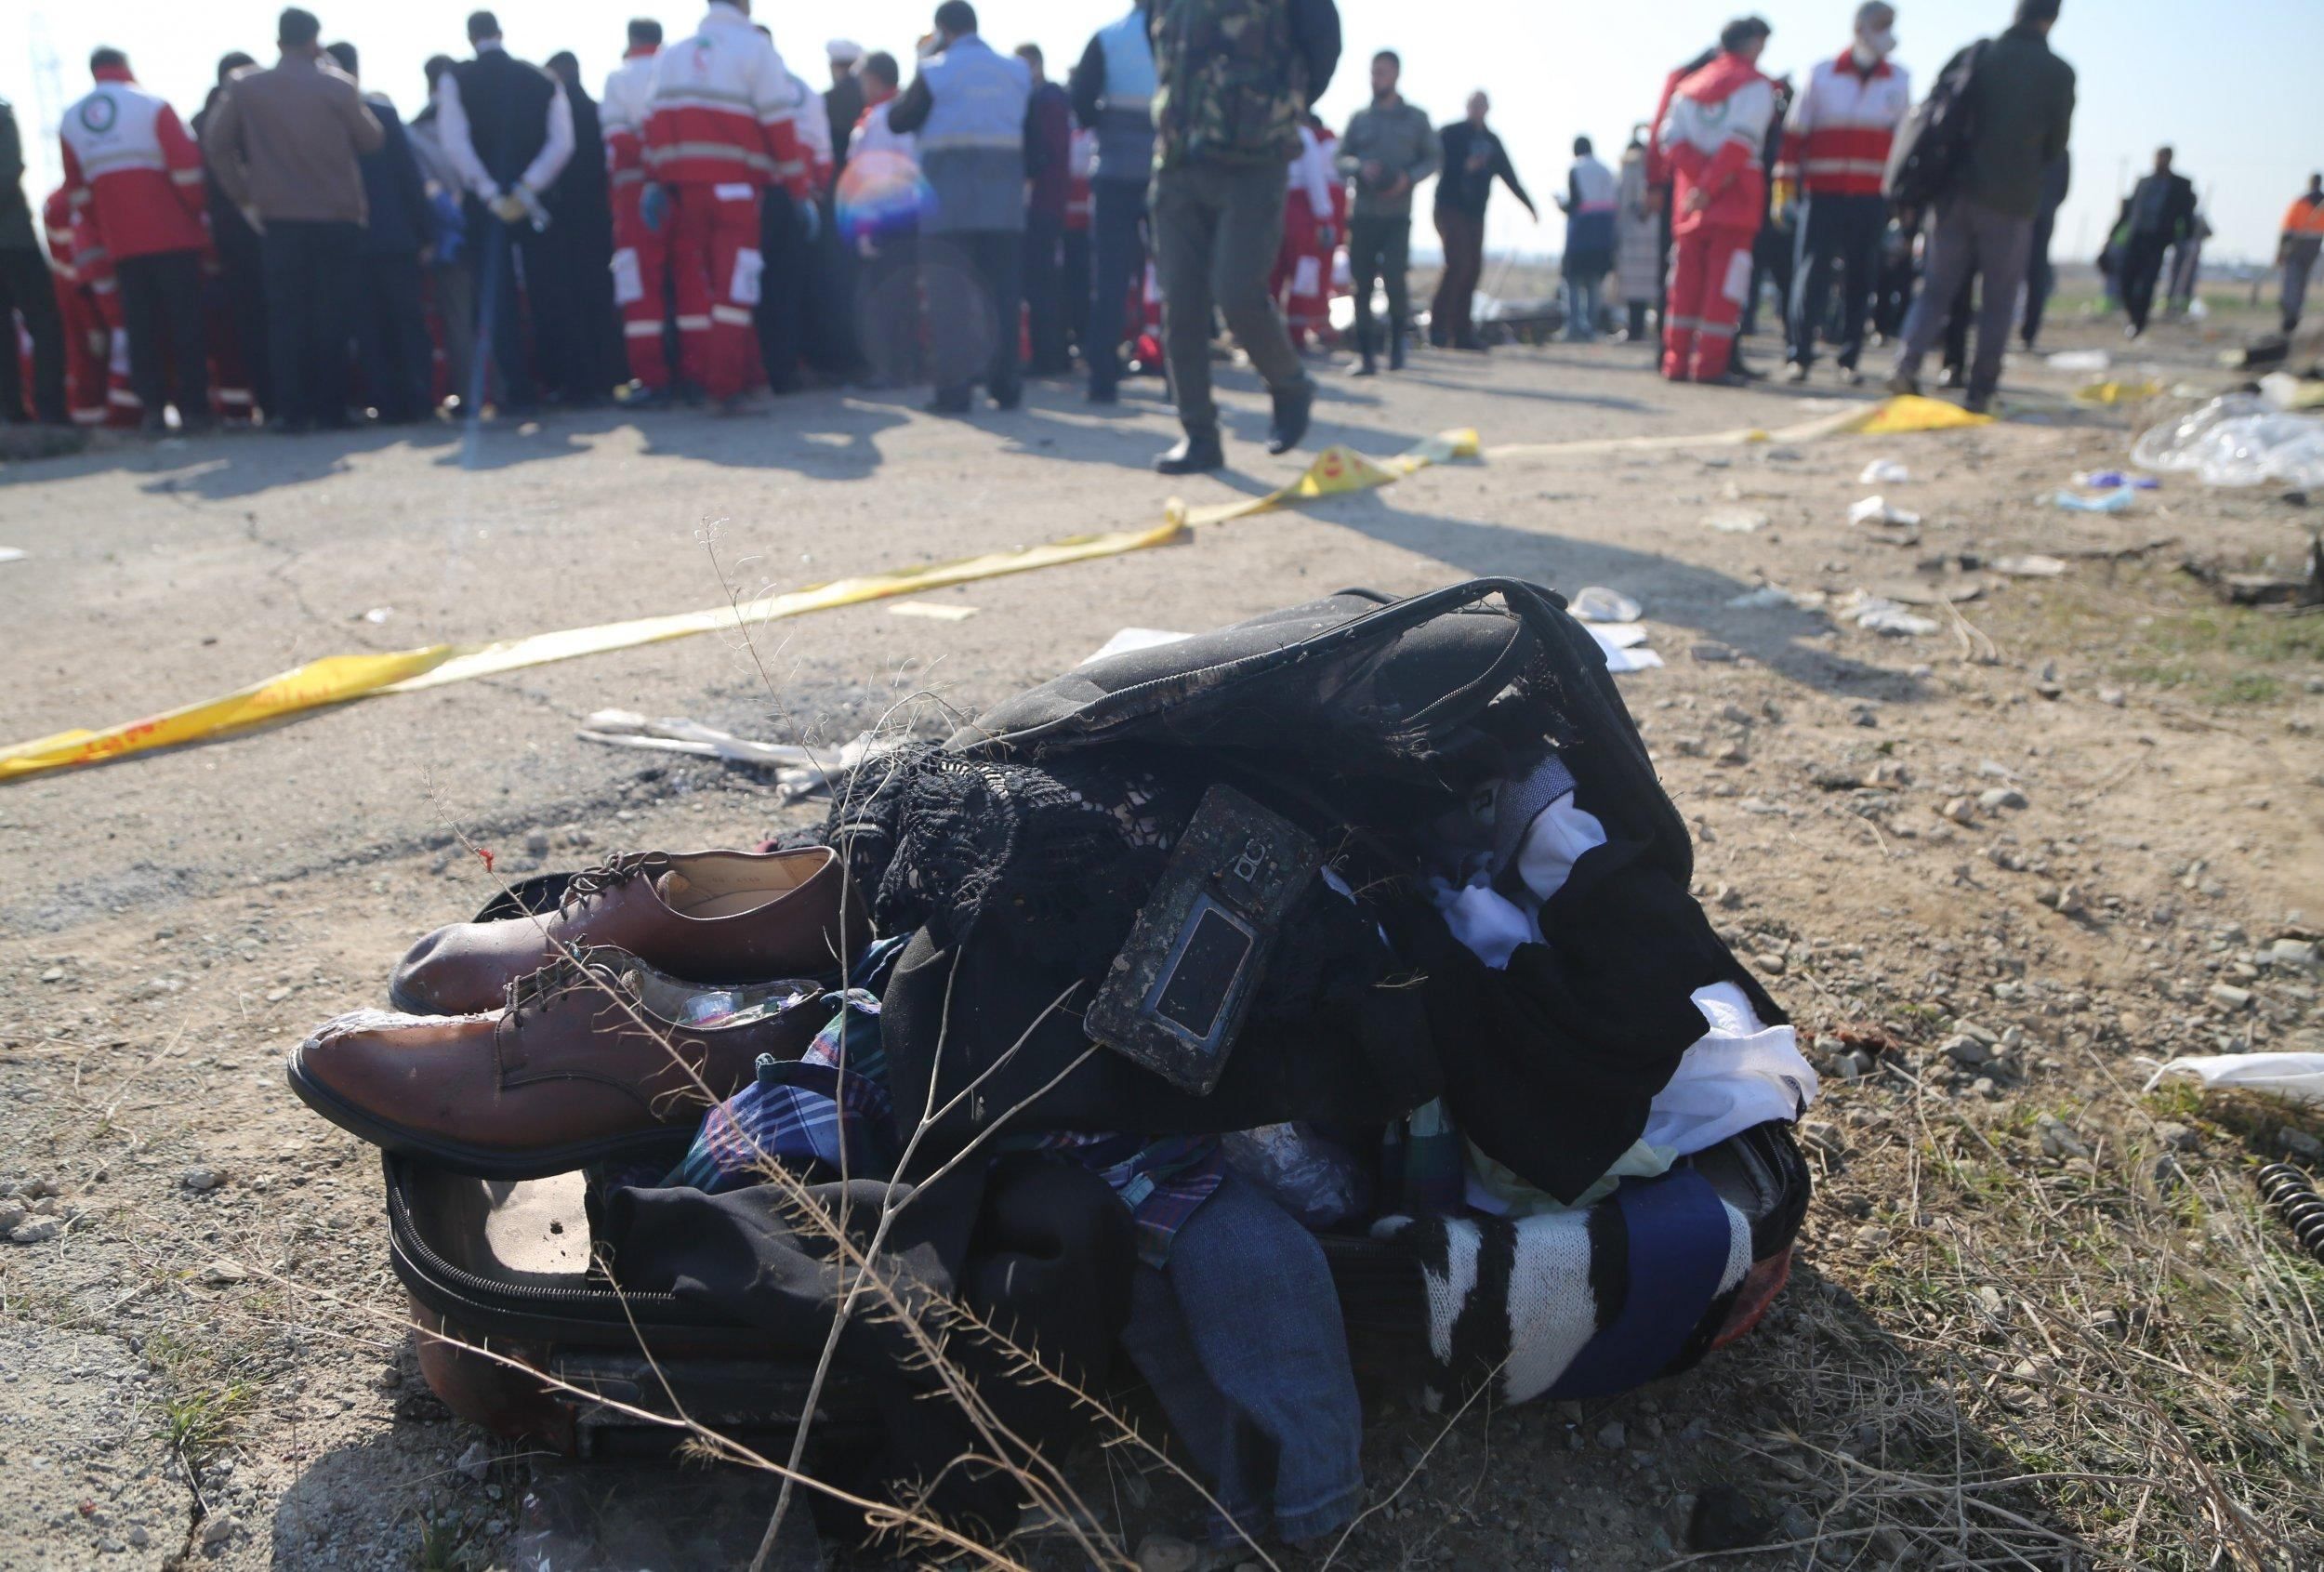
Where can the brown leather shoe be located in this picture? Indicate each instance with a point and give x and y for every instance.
(704, 917)
(593, 1056)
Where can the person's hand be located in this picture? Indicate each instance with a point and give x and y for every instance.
(653, 206)
(508, 207)
(1532, 212)
(1372, 171)
(811, 219)
(1325, 236)
(1402, 184)
(1697, 199)
(250, 216)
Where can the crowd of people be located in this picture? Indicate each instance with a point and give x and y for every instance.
(712, 226)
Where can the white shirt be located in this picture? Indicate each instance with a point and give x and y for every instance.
(1312, 171)
(872, 135)
(452, 126)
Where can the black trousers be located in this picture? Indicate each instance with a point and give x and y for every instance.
(2042, 276)
(780, 315)
(888, 310)
(310, 278)
(2142, 269)
(1118, 209)
(1044, 292)
(569, 286)
(828, 342)
(26, 289)
(972, 281)
(392, 337)
(161, 306)
(1379, 252)
(242, 277)
(1075, 250)
(1839, 241)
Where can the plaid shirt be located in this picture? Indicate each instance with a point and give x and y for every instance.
(1162, 1182)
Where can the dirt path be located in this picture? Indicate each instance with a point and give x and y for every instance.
(1986, 889)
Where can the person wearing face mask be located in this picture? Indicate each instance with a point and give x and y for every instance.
(1836, 143)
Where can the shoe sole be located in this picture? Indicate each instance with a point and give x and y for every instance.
(477, 1162)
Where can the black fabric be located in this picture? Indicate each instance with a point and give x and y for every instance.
(506, 104)
(1382, 717)
(1354, 1050)
(780, 315)
(161, 306)
(1034, 1245)
(311, 271)
(580, 251)
(27, 289)
(392, 337)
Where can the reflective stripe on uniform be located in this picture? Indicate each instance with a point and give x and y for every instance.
(734, 316)
(648, 329)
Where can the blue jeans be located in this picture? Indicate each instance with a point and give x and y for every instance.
(1841, 234)
(1583, 296)
(1117, 207)
(1240, 1338)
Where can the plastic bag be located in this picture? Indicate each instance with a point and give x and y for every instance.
(2288, 1075)
(2117, 501)
(1884, 472)
(1597, 603)
(1317, 1181)
(2238, 440)
(1879, 511)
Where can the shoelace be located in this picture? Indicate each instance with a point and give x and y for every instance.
(613, 872)
(538, 990)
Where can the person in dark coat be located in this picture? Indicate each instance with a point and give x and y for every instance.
(2161, 214)
(390, 329)
(26, 291)
(241, 272)
(581, 248)
(1049, 118)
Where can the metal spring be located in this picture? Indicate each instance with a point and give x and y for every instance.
(2293, 1195)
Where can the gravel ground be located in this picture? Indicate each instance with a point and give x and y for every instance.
(1985, 887)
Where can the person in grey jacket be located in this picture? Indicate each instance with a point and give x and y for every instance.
(1389, 148)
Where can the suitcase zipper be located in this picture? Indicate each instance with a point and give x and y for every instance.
(404, 1235)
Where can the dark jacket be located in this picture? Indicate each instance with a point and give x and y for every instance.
(16, 213)
(2021, 99)
(401, 223)
(579, 197)
(1050, 132)
(1223, 101)
(1467, 189)
(2162, 207)
(842, 107)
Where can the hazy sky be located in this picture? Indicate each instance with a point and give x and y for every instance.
(2231, 83)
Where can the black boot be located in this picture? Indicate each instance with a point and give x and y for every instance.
(1292, 407)
(1369, 365)
(1396, 348)
(1196, 453)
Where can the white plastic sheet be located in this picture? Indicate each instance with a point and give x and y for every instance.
(2239, 440)
(2287, 1074)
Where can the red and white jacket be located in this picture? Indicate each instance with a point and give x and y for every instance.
(1710, 139)
(1837, 137)
(621, 113)
(129, 161)
(1081, 163)
(723, 111)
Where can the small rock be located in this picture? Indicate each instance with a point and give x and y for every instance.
(1771, 963)
(1611, 1435)
(2178, 1137)
(2001, 797)
(38, 1232)
(219, 1273)
(199, 1180)
(12, 1213)
(1873, 1236)
(2299, 1143)
(1984, 1087)
(1725, 1519)
(2059, 1140)
(536, 843)
(1960, 811)
(54, 974)
(1713, 654)
(2226, 995)
(475, 1461)
(1991, 1297)
(138, 1539)
(1823, 1138)
(218, 1528)
(1161, 1552)
(2297, 954)
(1966, 1051)
(2113, 696)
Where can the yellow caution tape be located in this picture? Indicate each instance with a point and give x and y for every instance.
(2110, 393)
(1888, 417)
(338, 679)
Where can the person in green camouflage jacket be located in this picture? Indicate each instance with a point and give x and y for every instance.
(1235, 77)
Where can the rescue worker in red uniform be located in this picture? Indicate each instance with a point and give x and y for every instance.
(129, 161)
(640, 256)
(76, 262)
(1713, 139)
(719, 126)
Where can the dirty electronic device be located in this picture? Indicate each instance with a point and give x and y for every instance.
(1177, 993)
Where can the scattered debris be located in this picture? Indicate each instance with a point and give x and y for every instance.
(1736, 520)
(2265, 590)
(376, 615)
(222, 1273)
(1597, 603)
(2114, 480)
(2033, 565)
(1884, 472)
(1769, 597)
(2238, 440)
(1878, 510)
(2115, 501)
(2109, 393)
(1881, 614)
(934, 611)
(2299, 1075)
(800, 772)
(2079, 360)
(12, 554)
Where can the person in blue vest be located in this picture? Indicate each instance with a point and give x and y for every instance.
(1112, 90)
(968, 107)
